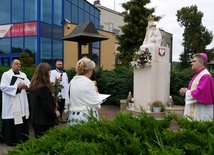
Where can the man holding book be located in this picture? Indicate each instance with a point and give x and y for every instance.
(15, 110)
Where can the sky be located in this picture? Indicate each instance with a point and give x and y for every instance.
(167, 9)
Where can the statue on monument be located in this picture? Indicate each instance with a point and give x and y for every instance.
(153, 36)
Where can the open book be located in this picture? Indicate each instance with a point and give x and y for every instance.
(103, 97)
(16, 80)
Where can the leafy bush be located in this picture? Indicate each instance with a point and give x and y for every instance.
(126, 134)
(117, 82)
(179, 79)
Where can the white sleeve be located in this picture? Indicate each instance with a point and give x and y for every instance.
(53, 76)
(6, 87)
(188, 98)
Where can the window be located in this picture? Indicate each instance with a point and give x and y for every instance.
(74, 14)
(5, 46)
(46, 30)
(81, 4)
(96, 44)
(17, 11)
(97, 13)
(57, 49)
(87, 7)
(30, 10)
(31, 47)
(45, 50)
(17, 45)
(96, 57)
(57, 33)
(67, 11)
(92, 18)
(57, 12)
(75, 2)
(91, 9)
(81, 16)
(87, 16)
(46, 10)
(4, 12)
(97, 23)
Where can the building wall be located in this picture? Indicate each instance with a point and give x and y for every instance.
(70, 49)
(44, 44)
(107, 50)
(107, 55)
(110, 20)
(111, 24)
(167, 42)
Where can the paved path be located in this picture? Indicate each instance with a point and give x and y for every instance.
(106, 112)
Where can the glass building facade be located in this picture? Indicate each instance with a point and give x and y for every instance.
(36, 27)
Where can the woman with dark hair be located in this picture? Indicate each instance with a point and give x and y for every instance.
(43, 109)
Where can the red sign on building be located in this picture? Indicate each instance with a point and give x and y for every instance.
(17, 30)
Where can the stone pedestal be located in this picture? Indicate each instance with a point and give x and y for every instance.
(153, 83)
(176, 109)
(123, 105)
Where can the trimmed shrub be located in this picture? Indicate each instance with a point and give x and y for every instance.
(126, 134)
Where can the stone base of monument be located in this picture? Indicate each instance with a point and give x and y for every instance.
(178, 110)
(123, 105)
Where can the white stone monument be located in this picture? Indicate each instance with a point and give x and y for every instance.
(152, 83)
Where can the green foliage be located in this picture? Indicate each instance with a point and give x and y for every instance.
(29, 71)
(126, 134)
(212, 73)
(196, 36)
(117, 82)
(71, 73)
(3, 69)
(135, 18)
(178, 80)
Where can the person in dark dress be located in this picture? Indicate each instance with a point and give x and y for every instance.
(43, 111)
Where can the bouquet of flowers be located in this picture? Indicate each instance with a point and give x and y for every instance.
(142, 58)
(57, 88)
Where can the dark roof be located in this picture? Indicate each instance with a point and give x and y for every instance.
(85, 33)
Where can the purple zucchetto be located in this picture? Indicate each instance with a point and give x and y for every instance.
(204, 55)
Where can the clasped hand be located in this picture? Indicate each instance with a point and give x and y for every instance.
(183, 91)
(22, 86)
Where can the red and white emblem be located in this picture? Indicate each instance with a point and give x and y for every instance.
(161, 51)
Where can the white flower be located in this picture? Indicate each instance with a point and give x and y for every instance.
(142, 58)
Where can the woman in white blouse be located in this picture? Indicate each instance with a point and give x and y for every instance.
(83, 97)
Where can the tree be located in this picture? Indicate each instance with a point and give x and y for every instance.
(26, 60)
(135, 18)
(195, 37)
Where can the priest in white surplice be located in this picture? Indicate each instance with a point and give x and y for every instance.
(15, 111)
(60, 74)
(199, 96)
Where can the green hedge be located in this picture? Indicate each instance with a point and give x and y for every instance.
(124, 135)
